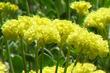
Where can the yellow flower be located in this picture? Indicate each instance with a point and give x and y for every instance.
(14, 7)
(78, 68)
(81, 7)
(13, 29)
(10, 29)
(25, 22)
(64, 27)
(32, 71)
(98, 19)
(83, 68)
(37, 20)
(8, 7)
(88, 43)
(99, 71)
(2, 68)
(52, 69)
(44, 34)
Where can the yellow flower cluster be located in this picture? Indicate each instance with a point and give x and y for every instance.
(13, 29)
(46, 31)
(44, 34)
(88, 43)
(10, 30)
(98, 19)
(52, 69)
(83, 68)
(81, 7)
(31, 29)
(41, 20)
(38, 28)
(79, 68)
(2, 68)
(64, 27)
(8, 7)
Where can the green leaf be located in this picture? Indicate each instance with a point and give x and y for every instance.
(17, 64)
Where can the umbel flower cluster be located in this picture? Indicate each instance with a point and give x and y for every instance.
(99, 19)
(57, 31)
(88, 43)
(81, 7)
(8, 7)
(79, 68)
(2, 68)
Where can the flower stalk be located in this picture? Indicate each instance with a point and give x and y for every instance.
(23, 54)
(9, 57)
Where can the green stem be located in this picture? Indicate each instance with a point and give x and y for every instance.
(77, 59)
(67, 62)
(27, 7)
(97, 4)
(42, 58)
(9, 58)
(23, 55)
(1, 21)
(56, 70)
(1, 48)
(68, 8)
(58, 58)
(36, 58)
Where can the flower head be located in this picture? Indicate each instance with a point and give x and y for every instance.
(37, 20)
(52, 69)
(88, 43)
(43, 33)
(98, 19)
(10, 29)
(83, 68)
(64, 27)
(81, 6)
(25, 22)
(2, 67)
(8, 9)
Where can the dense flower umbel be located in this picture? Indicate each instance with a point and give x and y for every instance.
(13, 29)
(83, 68)
(46, 31)
(81, 6)
(25, 22)
(52, 69)
(79, 68)
(8, 6)
(2, 68)
(37, 20)
(88, 43)
(64, 27)
(10, 29)
(98, 19)
(44, 34)
(8, 10)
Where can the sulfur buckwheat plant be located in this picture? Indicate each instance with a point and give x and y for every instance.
(7, 11)
(54, 36)
(99, 20)
(8, 7)
(46, 31)
(82, 7)
(88, 43)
